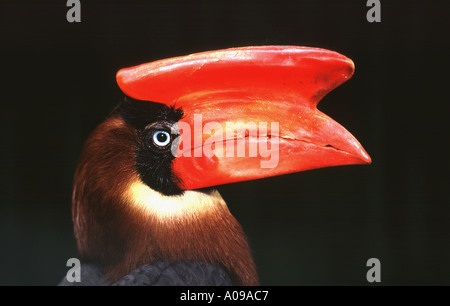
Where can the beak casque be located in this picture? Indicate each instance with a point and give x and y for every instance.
(255, 108)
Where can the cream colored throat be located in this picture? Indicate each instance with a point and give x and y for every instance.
(190, 204)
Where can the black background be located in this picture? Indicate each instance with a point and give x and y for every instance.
(312, 228)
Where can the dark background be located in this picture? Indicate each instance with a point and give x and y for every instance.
(316, 227)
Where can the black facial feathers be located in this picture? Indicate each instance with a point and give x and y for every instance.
(153, 122)
(140, 114)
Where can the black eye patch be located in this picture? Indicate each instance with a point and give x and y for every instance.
(154, 125)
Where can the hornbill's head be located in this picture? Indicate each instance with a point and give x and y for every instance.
(143, 185)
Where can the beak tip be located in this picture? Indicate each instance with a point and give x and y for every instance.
(365, 158)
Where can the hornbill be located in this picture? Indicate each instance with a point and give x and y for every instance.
(145, 210)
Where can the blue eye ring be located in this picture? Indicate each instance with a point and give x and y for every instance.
(161, 138)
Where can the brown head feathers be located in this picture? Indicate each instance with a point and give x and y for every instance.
(122, 223)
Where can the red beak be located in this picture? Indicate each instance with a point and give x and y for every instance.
(249, 112)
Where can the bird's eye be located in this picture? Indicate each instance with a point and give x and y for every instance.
(161, 138)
